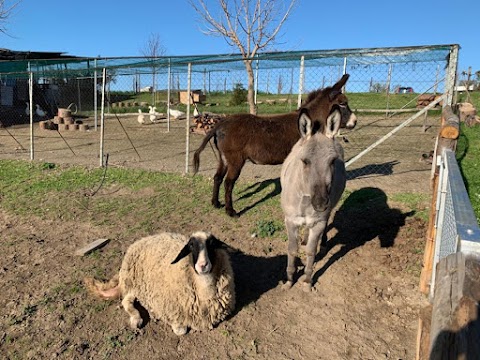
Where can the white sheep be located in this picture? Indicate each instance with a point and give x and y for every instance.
(187, 283)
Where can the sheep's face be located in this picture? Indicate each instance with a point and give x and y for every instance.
(202, 247)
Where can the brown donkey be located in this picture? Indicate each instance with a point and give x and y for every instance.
(267, 140)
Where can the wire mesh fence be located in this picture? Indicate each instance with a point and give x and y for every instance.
(108, 103)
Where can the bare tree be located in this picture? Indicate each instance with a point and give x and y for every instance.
(153, 49)
(249, 25)
(5, 13)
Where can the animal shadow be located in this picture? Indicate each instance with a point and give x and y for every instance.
(143, 313)
(255, 275)
(258, 187)
(363, 216)
(370, 170)
(460, 344)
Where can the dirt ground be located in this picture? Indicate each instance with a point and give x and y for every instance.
(394, 165)
(364, 305)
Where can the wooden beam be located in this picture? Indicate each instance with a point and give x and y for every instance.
(423, 333)
(455, 326)
(91, 247)
(426, 273)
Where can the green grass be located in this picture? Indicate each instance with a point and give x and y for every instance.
(284, 102)
(472, 97)
(468, 156)
(142, 199)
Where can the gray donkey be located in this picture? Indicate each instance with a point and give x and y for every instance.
(313, 179)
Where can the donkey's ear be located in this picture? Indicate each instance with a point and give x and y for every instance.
(333, 124)
(305, 125)
(340, 83)
(332, 94)
(187, 249)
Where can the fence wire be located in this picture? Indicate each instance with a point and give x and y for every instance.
(385, 89)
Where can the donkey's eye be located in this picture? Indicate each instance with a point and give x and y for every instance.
(306, 162)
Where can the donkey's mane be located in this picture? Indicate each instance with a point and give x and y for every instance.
(314, 94)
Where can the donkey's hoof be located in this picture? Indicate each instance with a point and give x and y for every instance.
(232, 213)
(216, 204)
(287, 285)
(307, 287)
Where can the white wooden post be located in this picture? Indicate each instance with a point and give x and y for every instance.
(300, 82)
(187, 120)
(102, 117)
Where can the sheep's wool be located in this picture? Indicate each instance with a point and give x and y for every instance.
(174, 293)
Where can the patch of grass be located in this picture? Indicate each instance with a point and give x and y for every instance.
(115, 341)
(267, 228)
(468, 157)
(139, 200)
(28, 311)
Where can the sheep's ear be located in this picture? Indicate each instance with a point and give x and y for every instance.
(214, 242)
(187, 249)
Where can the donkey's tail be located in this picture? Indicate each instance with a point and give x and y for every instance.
(196, 155)
(108, 291)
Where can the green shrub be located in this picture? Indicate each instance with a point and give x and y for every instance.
(239, 95)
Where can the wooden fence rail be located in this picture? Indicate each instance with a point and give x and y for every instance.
(449, 328)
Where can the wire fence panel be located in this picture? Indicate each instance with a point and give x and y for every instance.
(456, 224)
(387, 86)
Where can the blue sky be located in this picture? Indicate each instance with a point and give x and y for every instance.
(121, 28)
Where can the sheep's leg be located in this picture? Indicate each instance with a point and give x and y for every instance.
(292, 232)
(179, 330)
(135, 318)
(311, 249)
(217, 181)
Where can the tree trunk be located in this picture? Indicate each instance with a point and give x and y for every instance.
(251, 87)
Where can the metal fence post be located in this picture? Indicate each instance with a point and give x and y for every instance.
(95, 96)
(30, 94)
(102, 117)
(187, 120)
(300, 81)
(451, 75)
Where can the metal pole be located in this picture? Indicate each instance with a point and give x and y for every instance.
(95, 96)
(30, 93)
(256, 83)
(169, 80)
(79, 95)
(187, 121)
(102, 116)
(399, 127)
(344, 71)
(451, 75)
(436, 80)
(389, 78)
(300, 82)
(205, 80)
